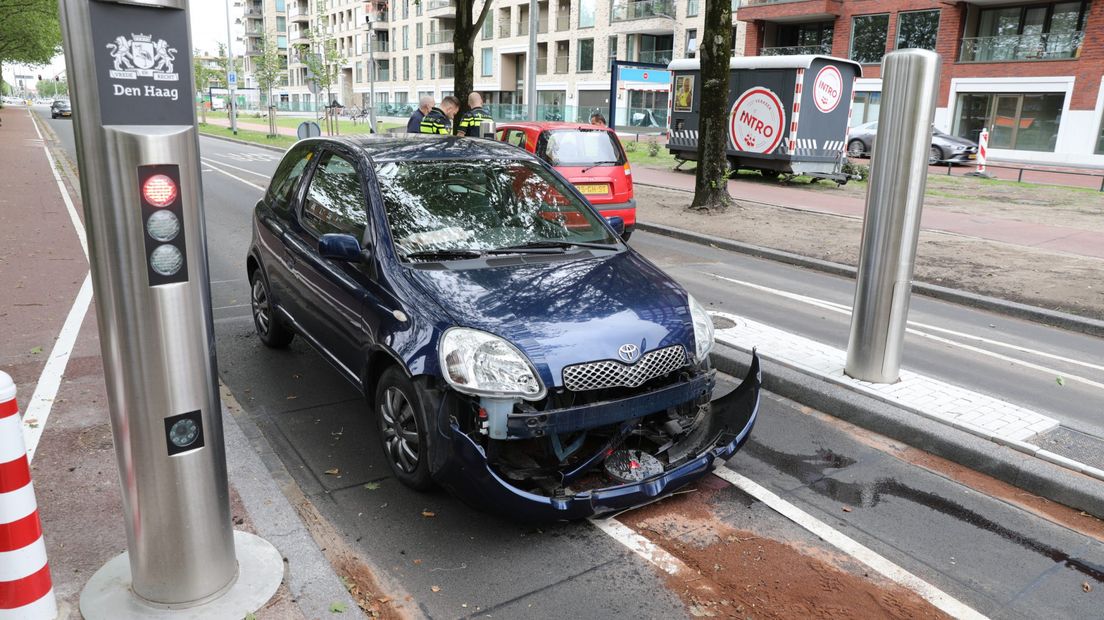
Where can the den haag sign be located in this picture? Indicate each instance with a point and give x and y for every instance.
(139, 80)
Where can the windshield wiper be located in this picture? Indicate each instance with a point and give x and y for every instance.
(596, 164)
(456, 254)
(551, 244)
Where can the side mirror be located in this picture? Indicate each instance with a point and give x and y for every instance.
(340, 247)
(617, 223)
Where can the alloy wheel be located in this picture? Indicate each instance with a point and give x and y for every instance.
(399, 426)
(262, 315)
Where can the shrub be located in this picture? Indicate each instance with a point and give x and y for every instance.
(631, 147)
(857, 171)
(653, 148)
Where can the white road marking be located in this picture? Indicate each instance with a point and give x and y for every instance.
(846, 310)
(243, 156)
(78, 226)
(640, 546)
(851, 547)
(42, 401)
(215, 164)
(233, 176)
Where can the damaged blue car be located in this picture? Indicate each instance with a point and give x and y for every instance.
(510, 346)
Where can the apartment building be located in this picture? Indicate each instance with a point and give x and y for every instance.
(260, 19)
(412, 47)
(1031, 72)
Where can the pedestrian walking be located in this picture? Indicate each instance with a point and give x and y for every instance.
(472, 121)
(439, 119)
(598, 119)
(425, 104)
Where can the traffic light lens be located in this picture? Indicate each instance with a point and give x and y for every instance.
(166, 260)
(159, 190)
(184, 433)
(163, 226)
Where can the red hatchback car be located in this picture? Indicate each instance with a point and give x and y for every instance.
(588, 156)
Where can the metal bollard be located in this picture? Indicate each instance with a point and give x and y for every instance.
(26, 590)
(891, 226)
(487, 129)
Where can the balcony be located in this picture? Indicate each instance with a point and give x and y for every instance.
(448, 71)
(438, 5)
(379, 13)
(562, 64)
(661, 57)
(642, 9)
(298, 12)
(381, 47)
(1017, 48)
(504, 30)
(253, 11)
(563, 22)
(301, 35)
(542, 64)
(785, 11)
(438, 37)
(824, 49)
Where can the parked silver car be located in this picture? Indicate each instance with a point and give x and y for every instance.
(944, 147)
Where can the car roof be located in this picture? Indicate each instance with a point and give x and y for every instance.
(545, 125)
(425, 147)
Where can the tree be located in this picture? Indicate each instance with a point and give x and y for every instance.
(223, 63)
(203, 75)
(468, 25)
(715, 50)
(29, 31)
(267, 68)
(52, 88)
(320, 55)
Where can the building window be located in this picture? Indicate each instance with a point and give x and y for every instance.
(281, 24)
(866, 106)
(586, 13)
(406, 37)
(360, 71)
(691, 42)
(280, 6)
(586, 55)
(418, 34)
(406, 68)
(281, 42)
(418, 9)
(406, 9)
(1100, 140)
(917, 30)
(433, 67)
(807, 38)
(418, 67)
(488, 26)
(488, 62)
(1026, 122)
(868, 38)
(612, 48)
(692, 8)
(1031, 32)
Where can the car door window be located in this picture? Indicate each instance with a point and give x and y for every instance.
(287, 176)
(516, 137)
(335, 202)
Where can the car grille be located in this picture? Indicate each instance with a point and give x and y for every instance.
(611, 373)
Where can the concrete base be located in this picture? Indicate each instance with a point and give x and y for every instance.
(107, 594)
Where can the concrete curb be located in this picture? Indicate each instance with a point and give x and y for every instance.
(1011, 464)
(1054, 318)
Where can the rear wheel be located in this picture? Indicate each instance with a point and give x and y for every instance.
(271, 330)
(935, 155)
(855, 148)
(403, 429)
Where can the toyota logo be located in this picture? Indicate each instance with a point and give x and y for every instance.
(628, 352)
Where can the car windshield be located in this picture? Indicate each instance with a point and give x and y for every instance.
(580, 147)
(482, 205)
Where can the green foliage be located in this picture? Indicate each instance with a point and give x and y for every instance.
(204, 75)
(320, 55)
(630, 146)
(266, 67)
(51, 88)
(223, 63)
(29, 31)
(859, 172)
(653, 148)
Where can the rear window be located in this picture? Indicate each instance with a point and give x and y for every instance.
(580, 147)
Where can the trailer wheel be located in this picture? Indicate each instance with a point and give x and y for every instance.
(769, 174)
(855, 148)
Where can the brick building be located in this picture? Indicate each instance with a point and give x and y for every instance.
(1032, 72)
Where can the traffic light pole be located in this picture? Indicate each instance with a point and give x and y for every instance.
(130, 71)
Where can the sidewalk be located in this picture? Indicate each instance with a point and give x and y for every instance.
(76, 479)
(1040, 236)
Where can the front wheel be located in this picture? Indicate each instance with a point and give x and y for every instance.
(403, 429)
(935, 155)
(271, 330)
(855, 148)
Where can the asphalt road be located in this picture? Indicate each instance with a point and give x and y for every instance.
(963, 535)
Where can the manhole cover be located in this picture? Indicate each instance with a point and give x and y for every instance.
(720, 322)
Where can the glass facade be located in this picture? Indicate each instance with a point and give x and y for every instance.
(868, 38)
(1031, 32)
(487, 62)
(917, 30)
(586, 55)
(866, 106)
(1027, 122)
(586, 13)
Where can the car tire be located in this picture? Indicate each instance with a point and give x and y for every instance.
(625, 235)
(856, 148)
(935, 155)
(770, 174)
(403, 429)
(270, 329)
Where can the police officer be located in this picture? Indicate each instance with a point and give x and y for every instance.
(471, 122)
(439, 119)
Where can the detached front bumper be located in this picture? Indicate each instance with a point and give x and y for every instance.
(460, 465)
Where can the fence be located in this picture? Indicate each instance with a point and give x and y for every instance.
(1041, 176)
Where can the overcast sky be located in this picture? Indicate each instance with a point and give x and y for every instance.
(208, 30)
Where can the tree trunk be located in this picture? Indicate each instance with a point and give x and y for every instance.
(468, 25)
(715, 50)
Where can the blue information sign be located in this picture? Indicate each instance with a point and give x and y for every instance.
(654, 76)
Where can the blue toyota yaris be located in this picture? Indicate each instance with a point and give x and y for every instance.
(510, 346)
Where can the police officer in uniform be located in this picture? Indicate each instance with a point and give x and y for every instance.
(439, 119)
(471, 122)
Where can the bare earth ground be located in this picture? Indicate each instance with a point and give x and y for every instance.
(1048, 279)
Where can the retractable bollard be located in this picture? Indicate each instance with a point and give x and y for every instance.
(891, 225)
(25, 588)
(983, 155)
(130, 72)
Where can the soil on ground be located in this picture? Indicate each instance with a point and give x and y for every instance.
(731, 573)
(1041, 278)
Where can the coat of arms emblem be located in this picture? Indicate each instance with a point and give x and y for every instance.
(141, 56)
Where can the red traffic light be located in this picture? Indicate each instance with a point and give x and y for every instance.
(159, 190)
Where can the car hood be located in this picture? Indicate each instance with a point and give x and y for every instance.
(952, 140)
(562, 311)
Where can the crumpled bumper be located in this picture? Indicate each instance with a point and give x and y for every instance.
(462, 467)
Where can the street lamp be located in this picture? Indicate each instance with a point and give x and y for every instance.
(231, 78)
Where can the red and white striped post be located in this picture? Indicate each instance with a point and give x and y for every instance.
(983, 153)
(26, 591)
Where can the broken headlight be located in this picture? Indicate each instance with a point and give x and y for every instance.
(475, 362)
(703, 328)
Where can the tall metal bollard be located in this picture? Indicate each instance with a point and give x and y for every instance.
(891, 226)
(25, 587)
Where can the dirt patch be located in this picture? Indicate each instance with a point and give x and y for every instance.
(1016, 273)
(739, 574)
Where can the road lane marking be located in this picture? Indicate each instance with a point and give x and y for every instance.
(78, 226)
(640, 546)
(234, 176)
(851, 547)
(846, 310)
(49, 381)
(215, 164)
